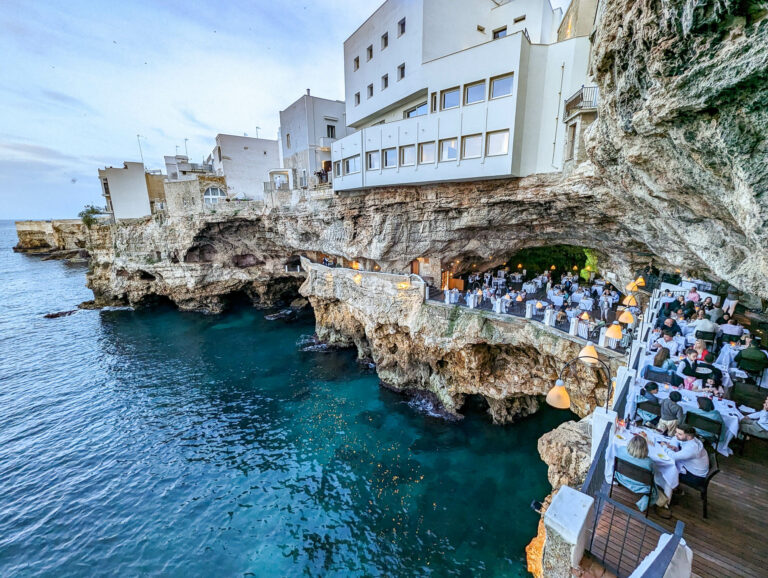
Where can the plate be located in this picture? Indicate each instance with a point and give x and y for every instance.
(663, 456)
(619, 436)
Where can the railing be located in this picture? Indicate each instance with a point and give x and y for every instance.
(659, 566)
(270, 187)
(584, 98)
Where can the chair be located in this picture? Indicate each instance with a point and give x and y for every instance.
(702, 489)
(704, 424)
(650, 407)
(753, 367)
(658, 375)
(636, 473)
(706, 336)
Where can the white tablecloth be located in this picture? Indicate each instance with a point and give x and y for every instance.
(665, 472)
(529, 287)
(576, 297)
(728, 354)
(516, 277)
(586, 304)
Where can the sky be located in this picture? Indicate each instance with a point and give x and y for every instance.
(82, 78)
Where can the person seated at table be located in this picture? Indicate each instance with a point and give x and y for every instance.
(687, 368)
(714, 314)
(648, 395)
(701, 348)
(715, 387)
(693, 295)
(756, 424)
(561, 316)
(670, 324)
(731, 331)
(662, 361)
(690, 456)
(707, 409)
(752, 353)
(671, 413)
(704, 324)
(636, 452)
(707, 304)
(667, 341)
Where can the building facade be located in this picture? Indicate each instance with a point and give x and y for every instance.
(448, 90)
(245, 162)
(131, 192)
(308, 128)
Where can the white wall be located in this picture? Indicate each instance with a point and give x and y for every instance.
(127, 190)
(245, 162)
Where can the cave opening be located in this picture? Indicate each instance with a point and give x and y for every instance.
(156, 301)
(475, 404)
(240, 299)
(560, 258)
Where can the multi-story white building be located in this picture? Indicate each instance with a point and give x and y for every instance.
(245, 162)
(308, 128)
(447, 90)
(131, 192)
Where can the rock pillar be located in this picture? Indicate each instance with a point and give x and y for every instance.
(567, 523)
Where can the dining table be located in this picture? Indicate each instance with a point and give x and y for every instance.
(530, 287)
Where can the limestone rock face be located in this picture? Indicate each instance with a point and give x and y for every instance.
(566, 450)
(50, 237)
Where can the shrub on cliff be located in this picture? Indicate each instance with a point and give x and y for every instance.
(88, 215)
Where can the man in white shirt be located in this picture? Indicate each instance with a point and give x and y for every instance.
(667, 340)
(732, 329)
(756, 424)
(704, 325)
(690, 456)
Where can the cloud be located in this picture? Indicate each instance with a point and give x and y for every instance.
(67, 100)
(190, 117)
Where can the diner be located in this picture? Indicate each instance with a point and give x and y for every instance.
(755, 424)
(690, 456)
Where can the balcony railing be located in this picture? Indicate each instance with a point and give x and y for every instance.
(584, 99)
(270, 187)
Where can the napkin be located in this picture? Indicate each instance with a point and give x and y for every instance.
(745, 409)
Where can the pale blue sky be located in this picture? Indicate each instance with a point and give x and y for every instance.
(80, 79)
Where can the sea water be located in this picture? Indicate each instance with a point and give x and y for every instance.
(157, 442)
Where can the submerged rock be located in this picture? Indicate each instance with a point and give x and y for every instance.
(60, 314)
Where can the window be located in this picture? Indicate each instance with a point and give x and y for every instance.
(471, 146)
(213, 195)
(357, 98)
(434, 102)
(105, 182)
(519, 19)
(497, 143)
(407, 155)
(449, 149)
(474, 93)
(356, 63)
(384, 40)
(384, 81)
(389, 158)
(369, 52)
(352, 165)
(401, 27)
(426, 153)
(501, 86)
(337, 169)
(401, 71)
(330, 130)
(370, 90)
(449, 98)
(287, 140)
(571, 144)
(500, 33)
(419, 110)
(372, 160)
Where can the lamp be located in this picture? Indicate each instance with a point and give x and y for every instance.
(630, 301)
(584, 316)
(519, 265)
(519, 298)
(539, 305)
(626, 317)
(553, 267)
(558, 396)
(640, 282)
(589, 267)
(632, 286)
(614, 331)
(588, 354)
(575, 268)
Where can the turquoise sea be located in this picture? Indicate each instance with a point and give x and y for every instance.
(157, 442)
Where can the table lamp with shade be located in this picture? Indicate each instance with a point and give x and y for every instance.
(614, 331)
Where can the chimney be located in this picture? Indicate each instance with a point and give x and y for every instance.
(307, 92)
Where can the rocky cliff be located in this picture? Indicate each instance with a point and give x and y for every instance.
(58, 239)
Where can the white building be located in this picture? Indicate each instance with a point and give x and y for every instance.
(448, 90)
(131, 192)
(308, 128)
(178, 168)
(245, 162)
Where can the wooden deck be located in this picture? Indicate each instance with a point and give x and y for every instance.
(732, 540)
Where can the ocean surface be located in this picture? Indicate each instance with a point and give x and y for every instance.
(157, 442)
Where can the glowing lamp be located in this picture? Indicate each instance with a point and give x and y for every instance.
(626, 317)
(553, 267)
(588, 355)
(519, 298)
(558, 396)
(614, 331)
(358, 278)
(584, 316)
(630, 301)
(575, 268)
(640, 281)
(539, 305)
(519, 265)
(589, 267)
(632, 286)
(355, 265)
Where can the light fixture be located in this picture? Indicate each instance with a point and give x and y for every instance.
(357, 278)
(632, 286)
(640, 282)
(519, 298)
(630, 301)
(539, 305)
(553, 267)
(575, 268)
(589, 267)
(626, 317)
(584, 316)
(588, 354)
(614, 331)
(519, 265)
(558, 396)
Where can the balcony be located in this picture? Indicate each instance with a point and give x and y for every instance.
(326, 142)
(585, 99)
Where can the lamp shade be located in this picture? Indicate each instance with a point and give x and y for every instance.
(614, 331)
(519, 298)
(519, 265)
(640, 282)
(584, 316)
(626, 317)
(575, 268)
(589, 268)
(630, 301)
(558, 396)
(632, 286)
(539, 305)
(588, 354)
(553, 267)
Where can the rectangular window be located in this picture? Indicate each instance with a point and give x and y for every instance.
(571, 146)
(369, 52)
(352, 165)
(449, 149)
(384, 81)
(501, 86)
(401, 27)
(450, 98)
(519, 19)
(497, 143)
(287, 140)
(357, 98)
(471, 146)
(474, 92)
(426, 153)
(434, 102)
(407, 155)
(384, 40)
(370, 90)
(337, 169)
(420, 110)
(372, 160)
(389, 158)
(330, 130)
(356, 63)
(401, 71)
(499, 33)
